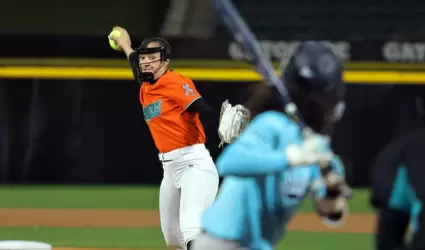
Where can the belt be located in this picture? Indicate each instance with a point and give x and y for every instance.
(177, 153)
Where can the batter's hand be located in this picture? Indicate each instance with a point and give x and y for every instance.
(123, 40)
(314, 149)
(333, 207)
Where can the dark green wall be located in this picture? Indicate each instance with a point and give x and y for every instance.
(81, 17)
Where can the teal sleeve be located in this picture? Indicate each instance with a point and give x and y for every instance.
(239, 159)
(260, 149)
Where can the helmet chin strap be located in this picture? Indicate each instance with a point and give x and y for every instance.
(150, 76)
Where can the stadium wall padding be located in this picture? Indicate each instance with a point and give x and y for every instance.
(92, 131)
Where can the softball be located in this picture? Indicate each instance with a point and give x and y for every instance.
(112, 43)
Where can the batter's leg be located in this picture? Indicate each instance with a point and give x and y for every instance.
(199, 187)
(169, 205)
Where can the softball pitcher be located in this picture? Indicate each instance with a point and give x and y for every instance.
(176, 115)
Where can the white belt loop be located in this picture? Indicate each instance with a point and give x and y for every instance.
(161, 156)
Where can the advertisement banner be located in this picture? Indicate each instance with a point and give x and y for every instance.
(384, 51)
(212, 49)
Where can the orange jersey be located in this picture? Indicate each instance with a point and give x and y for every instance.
(164, 107)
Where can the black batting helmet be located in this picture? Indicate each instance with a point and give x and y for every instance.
(314, 78)
(164, 47)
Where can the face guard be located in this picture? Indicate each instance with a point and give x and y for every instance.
(165, 51)
(149, 75)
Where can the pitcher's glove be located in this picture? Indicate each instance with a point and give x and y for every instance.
(233, 121)
(333, 206)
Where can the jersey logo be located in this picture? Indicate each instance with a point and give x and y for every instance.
(152, 110)
(188, 90)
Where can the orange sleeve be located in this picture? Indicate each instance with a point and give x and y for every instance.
(183, 93)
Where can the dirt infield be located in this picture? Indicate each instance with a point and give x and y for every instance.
(356, 223)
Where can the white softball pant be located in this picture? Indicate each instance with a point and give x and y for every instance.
(189, 186)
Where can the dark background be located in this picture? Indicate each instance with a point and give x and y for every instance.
(92, 131)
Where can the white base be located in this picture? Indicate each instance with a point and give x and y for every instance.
(23, 245)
